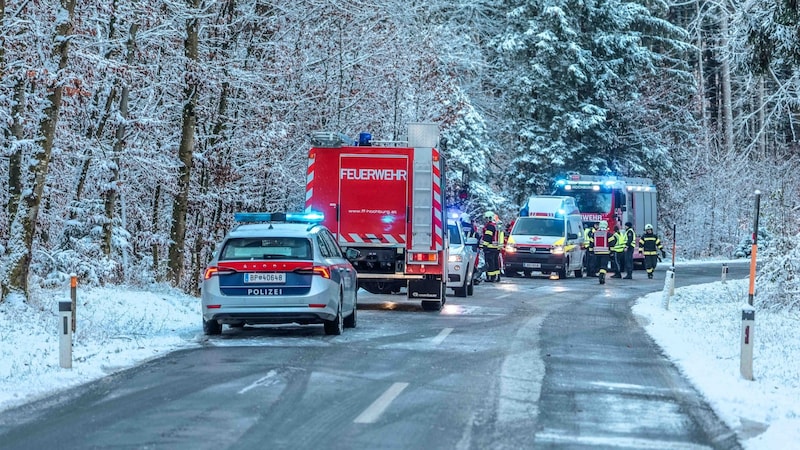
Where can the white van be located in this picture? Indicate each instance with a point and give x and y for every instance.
(546, 238)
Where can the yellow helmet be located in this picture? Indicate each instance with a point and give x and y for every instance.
(488, 215)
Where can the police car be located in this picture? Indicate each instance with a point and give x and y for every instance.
(279, 268)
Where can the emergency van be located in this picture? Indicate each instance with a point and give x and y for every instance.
(547, 237)
(614, 199)
(385, 199)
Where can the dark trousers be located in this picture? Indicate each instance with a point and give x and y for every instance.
(618, 262)
(492, 256)
(650, 262)
(590, 263)
(602, 262)
(628, 262)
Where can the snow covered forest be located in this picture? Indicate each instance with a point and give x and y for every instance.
(132, 130)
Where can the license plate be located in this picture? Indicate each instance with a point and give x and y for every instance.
(531, 265)
(264, 277)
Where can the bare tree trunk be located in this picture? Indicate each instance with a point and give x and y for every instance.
(725, 75)
(24, 224)
(15, 160)
(155, 250)
(110, 200)
(185, 150)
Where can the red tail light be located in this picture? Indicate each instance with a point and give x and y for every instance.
(213, 270)
(323, 271)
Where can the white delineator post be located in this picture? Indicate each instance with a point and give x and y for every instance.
(748, 311)
(65, 331)
(748, 327)
(669, 286)
(724, 272)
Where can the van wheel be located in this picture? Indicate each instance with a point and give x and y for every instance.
(579, 273)
(470, 287)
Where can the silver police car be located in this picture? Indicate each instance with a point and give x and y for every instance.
(279, 268)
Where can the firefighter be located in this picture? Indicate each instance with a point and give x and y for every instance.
(617, 243)
(630, 245)
(600, 247)
(650, 245)
(588, 256)
(490, 243)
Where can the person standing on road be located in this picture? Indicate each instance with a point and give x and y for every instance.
(588, 255)
(630, 245)
(617, 243)
(601, 249)
(650, 245)
(491, 247)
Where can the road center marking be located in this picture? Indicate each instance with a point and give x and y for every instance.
(442, 334)
(267, 379)
(371, 414)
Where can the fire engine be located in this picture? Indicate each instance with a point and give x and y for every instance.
(614, 199)
(385, 200)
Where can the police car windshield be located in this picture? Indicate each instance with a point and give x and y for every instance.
(266, 248)
(455, 236)
(538, 227)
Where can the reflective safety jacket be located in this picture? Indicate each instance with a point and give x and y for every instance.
(650, 244)
(600, 244)
(588, 235)
(617, 242)
(630, 238)
(492, 238)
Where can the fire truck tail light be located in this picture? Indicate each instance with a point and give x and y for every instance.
(423, 257)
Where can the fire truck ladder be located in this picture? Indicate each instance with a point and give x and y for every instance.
(421, 218)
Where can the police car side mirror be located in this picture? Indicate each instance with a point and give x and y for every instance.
(352, 253)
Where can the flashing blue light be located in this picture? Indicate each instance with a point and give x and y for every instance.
(561, 182)
(364, 139)
(307, 217)
(387, 219)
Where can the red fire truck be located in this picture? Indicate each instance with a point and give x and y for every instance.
(385, 199)
(614, 199)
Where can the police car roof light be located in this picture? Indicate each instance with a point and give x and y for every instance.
(303, 217)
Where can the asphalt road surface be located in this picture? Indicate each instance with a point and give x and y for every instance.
(524, 363)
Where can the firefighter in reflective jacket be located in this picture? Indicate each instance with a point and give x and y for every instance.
(589, 263)
(491, 242)
(600, 247)
(650, 245)
(617, 244)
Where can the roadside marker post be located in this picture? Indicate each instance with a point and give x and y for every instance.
(748, 311)
(65, 330)
(73, 293)
(724, 272)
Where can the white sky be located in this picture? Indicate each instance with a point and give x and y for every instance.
(701, 332)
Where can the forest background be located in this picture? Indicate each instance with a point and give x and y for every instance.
(132, 130)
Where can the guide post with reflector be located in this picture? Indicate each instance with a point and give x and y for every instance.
(65, 331)
(748, 311)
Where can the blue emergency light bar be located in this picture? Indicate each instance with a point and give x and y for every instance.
(303, 217)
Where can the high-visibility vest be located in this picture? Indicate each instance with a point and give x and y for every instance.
(619, 243)
(630, 238)
(600, 242)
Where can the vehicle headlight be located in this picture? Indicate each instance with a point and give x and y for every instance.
(557, 250)
(455, 258)
(511, 248)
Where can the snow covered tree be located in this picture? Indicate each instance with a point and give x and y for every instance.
(584, 86)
